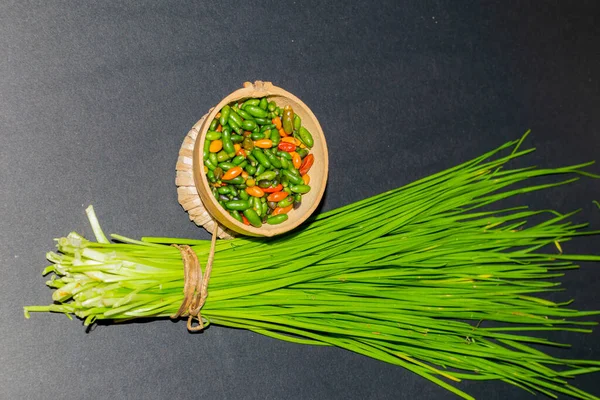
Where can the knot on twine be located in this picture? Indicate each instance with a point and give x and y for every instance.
(195, 283)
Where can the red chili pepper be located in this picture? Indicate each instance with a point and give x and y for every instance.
(245, 220)
(274, 189)
(286, 146)
(306, 164)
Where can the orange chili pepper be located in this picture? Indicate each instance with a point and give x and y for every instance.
(245, 220)
(282, 210)
(306, 164)
(306, 179)
(237, 147)
(244, 174)
(219, 128)
(282, 133)
(277, 196)
(240, 152)
(277, 122)
(232, 173)
(263, 143)
(255, 191)
(296, 160)
(215, 146)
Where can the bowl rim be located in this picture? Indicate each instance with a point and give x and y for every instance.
(258, 89)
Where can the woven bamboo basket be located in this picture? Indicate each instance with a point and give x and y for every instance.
(193, 187)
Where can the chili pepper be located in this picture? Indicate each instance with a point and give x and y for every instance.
(286, 146)
(288, 119)
(232, 173)
(255, 191)
(306, 164)
(274, 188)
(264, 143)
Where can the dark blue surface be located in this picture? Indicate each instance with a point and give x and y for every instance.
(95, 100)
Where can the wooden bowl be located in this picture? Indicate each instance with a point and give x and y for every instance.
(318, 172)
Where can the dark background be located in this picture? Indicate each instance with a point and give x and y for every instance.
(96, 97)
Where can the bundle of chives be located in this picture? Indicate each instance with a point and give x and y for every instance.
(408, 277)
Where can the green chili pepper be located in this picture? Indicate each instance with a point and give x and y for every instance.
(269, 175)
(206, 150)
(275, 138)
(213, 135)
(237, 160)
(251, 102)
(257, 135)
(235, 119)
(261, 158)
(302, 152)
(226, 166)
(306, 137)
(300, 189)
(235, 181)
(245, 115)
(276, 219)
(222, 156)
(211, 176)
(263, 103)
(237, 205)
(297, 122)
(249, 125)
(235, 214)
(237, 138)
(256, 112)
(227, 143)
(250, 169)
(225, 111)
(273, 159)
(252, 217)
(209, 164)
(286, 202)
(213, 158)
(293, 178)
